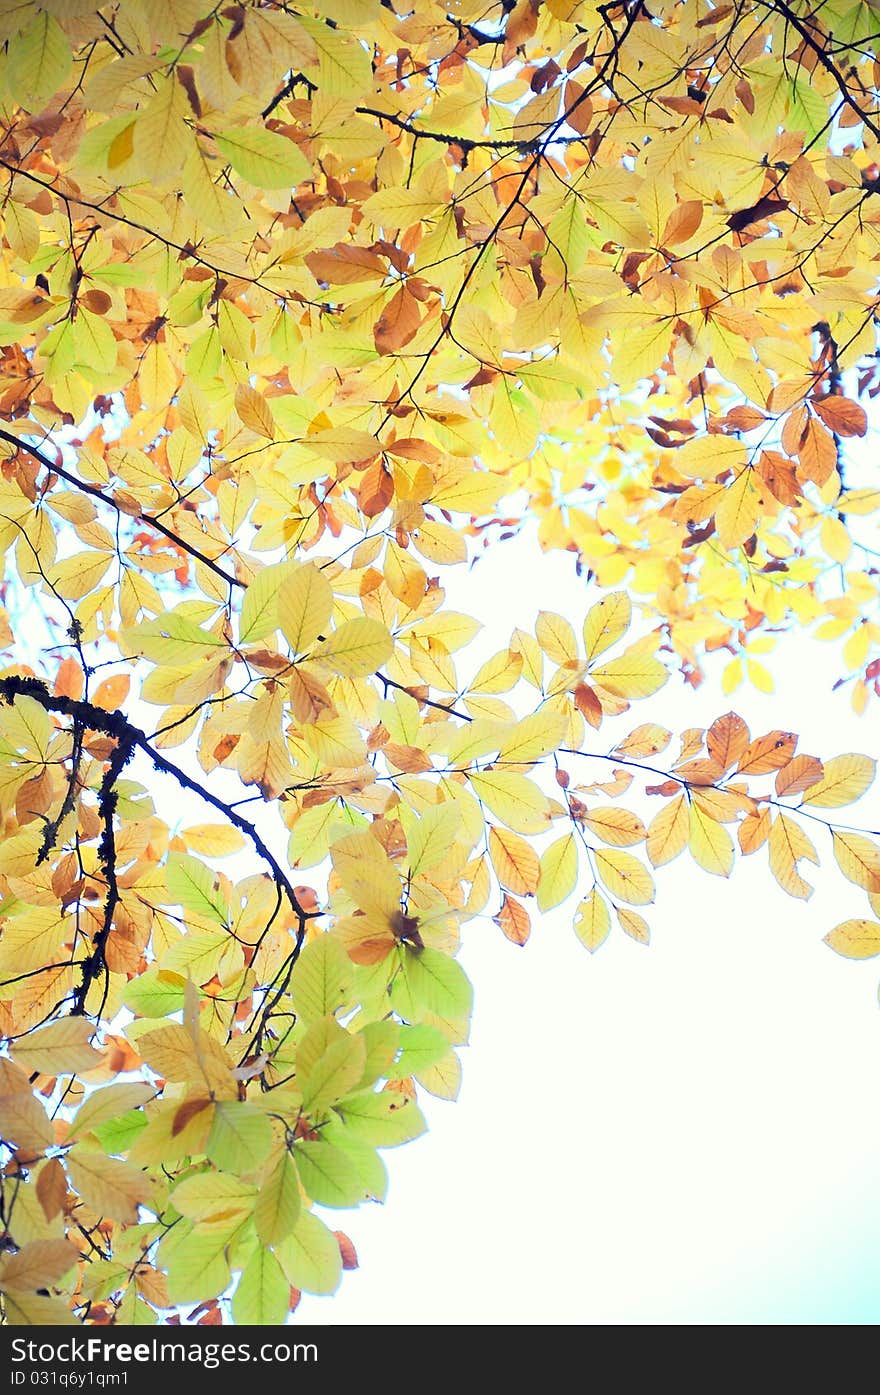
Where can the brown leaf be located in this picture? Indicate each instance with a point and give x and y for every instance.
(587, 703)
(780, 477)
(843, 416)
(52, 1188)
(756, 213)
(754, 830)
(817, 453)
(346, 1250)
(398, 323)
(345, 265)
(376, 489)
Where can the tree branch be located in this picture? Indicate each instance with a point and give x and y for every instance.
(96, 493)
(791, 18)
(131, 738)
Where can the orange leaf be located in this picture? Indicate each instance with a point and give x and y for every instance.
(727, 739)
(112, 692)
(682, 222)
(766, 753)
(69, 679)
(844, 417)
(799, 774)
(398, 323)
(514, 921)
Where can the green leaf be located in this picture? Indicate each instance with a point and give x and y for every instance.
(310, 1256)
(196, 1257)
(370, 1167)
(117, 1135)
(263, 158)
(210, 1196)
(240, 1137)
(336, 1072)
(328, 1174)
(154, 993)
(438, 983)
(322, 980)
(259, 609)
(422, 1046)
(263, 1293)
(383, 1120)
(192, 885)
(277, 1207)
(381, 1040)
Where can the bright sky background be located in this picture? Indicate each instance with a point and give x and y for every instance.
(685, 1133)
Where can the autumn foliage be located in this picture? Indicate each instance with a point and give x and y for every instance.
(300, 306)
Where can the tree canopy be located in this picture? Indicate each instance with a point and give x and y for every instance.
(300, 306)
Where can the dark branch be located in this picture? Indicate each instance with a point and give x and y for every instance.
(130, 738)
(830, 67)
(96, 964)
(146, 518)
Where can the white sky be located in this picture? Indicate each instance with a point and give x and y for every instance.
(683, 1133)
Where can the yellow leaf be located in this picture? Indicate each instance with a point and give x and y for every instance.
(634, 925)
(304, 603)
(441, 544)
(254, 410)
(846, 778)
(38, 61)
(108, 1187)
(535, 736)
(634, 675)
(514, 799)
(358, 647)
(710, 844)
(592, 921)
(606, 623)
(644, 740)
(855, 939)
(858, 859)
(367, 874)
(619, 827)
(559, 866)
(788, 843)
(23, 1121)
(737, 515)
(498, 674)
(162, 140)
(556, 637)
(624, 876)
(263, 157)
(213, 839)
(668, 831)
(58, 1048)
(514, 860)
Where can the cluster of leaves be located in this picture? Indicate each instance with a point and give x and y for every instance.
(294, 299)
